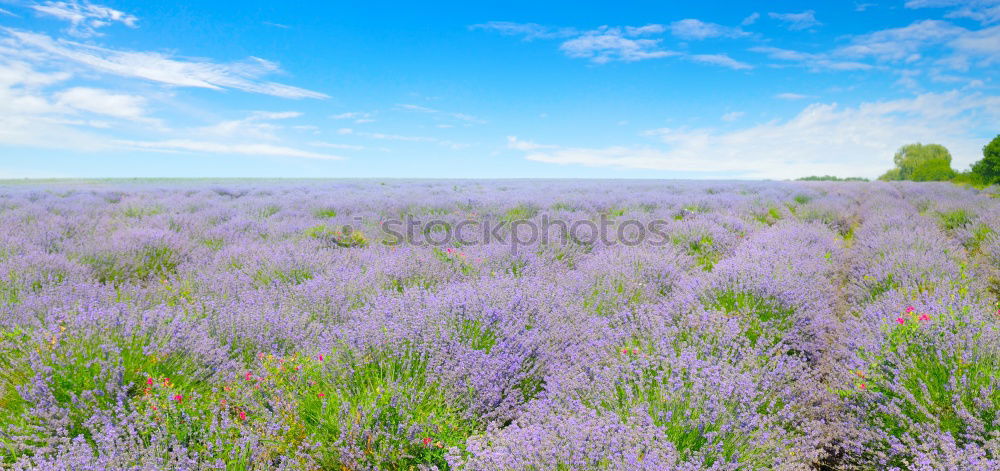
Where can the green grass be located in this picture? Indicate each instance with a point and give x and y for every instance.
(152, 262)
(86, 372)
(337, 237)
(700, 248)
(955, 219)
(932, 377)
(325, 213)
(519, 212)
(372, 400)
(763, 318)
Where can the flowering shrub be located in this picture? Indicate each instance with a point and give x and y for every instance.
(279, 325)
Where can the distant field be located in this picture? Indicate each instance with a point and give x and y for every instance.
(504, 325)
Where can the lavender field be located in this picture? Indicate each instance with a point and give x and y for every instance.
(343, 325)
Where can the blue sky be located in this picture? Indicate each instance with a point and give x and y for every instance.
(491, 89)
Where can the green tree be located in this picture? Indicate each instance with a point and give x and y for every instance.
(920, 162)
(989, 167)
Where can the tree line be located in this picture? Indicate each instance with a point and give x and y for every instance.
(932, 163)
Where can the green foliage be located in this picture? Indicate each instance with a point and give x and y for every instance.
(520, 212)
(701, 248)
(325, 213)
(334, 400)
(267, 276)
(955, 219)
(760, 315)
(136, 212)
(152, 262)
(919, 162)
(988, 169)
(831, 178)
(346, 238)
(930, 380)
(268, 211)
(89, 371)
(213, 243)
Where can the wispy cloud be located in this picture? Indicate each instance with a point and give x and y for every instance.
(751, 19)
(791, 96)
(423, 109)
(984, 11)
(607, 44)
(258, 125)
(161, 68)
(733, 116)
(837, 140)
(629, 43)
(722, 60)
(814, 62)
(359, 117)
(275, 25)
(104, 102)
(528, 31)
(208, 147)
(7, 13)
(693, 29)
(797, 21)
(912, 43)
(85, 18)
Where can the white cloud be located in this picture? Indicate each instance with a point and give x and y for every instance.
(791, 96)
(900, 44)
(530, 31)
(984, 11)
(332, 145)
(85, 18)
(7, 13)
(418, 108)
(256, 126)
(601, 45)
(358, 117)
(206, 147)
(733, 116)
(722, 60)
(823, 139)
(516, 144)
(797, 21)
(863, 6)
(915, 43)
(814, 62)
(423, 109)
(607, 44)
(104, 102)
(749, 20)
(394, 137)
(692, 29)
(161, 68)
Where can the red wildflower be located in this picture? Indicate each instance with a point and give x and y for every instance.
(861, 386)
(925, 317)
(321, 395)
(179, 398)
(900, 320)
(909, 309)
(243, 415)
(321, 358)
(149, 381)
(249, 376)
(427, 441)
